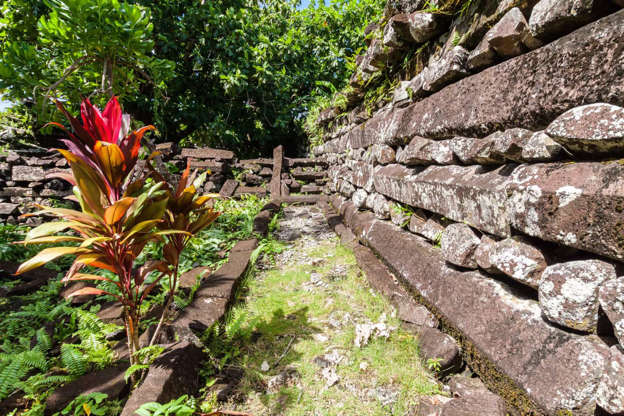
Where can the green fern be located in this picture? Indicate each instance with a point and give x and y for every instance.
(73, 359)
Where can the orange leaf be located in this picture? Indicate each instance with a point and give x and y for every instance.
(112, 162)
(115, 212)
(89, 291)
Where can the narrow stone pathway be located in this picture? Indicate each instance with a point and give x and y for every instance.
(310, 337)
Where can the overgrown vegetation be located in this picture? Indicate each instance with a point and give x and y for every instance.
(239, 74)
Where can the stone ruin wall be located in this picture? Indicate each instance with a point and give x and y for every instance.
(492, 184)
(31, 176)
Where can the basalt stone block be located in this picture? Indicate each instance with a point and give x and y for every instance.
(431, 229)
(361, 175)
(557, 371)
(590, 129)
(482, 254)
(266, 171)
(27, 173)
(435, 344)
(471, 397)
(578, 205)
(6, 208)
(585, 66)
(380, 206)
(228, 188)
(207, 153)
(383, 153)
(250, 190)
(359, 198)
(15, 191)
(421, 151)
(482, 56)
(465, 194)
(345, 188)
(401, 95)
(552, 18)
(540, 147)
(611, 297)
(425, 26)
(311, 189)
(508, 144)
(252, 179)
(450, 67)
(398, 216)
(475, 151)
(109, 381)
(506, 35)
(611, 388)
(174, 373)
(568, 292)
(459, 243)
(518, 260)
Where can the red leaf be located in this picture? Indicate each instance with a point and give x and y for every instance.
(112, 118)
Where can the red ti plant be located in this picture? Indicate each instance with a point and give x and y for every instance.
(117, 218)
(187, 212)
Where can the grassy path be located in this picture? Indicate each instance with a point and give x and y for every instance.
(293, 336)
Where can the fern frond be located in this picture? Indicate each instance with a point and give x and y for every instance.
(73, 359)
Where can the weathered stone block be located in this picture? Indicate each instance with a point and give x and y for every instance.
(558, 371)
(450, 67)
(207, 153)
(228, 188)
(552, 18)
(360, 175)
(464, 194)
(421, 151)
(568, 292)
(425, 26)
(482, 254)
(611, 389)
(401, 96)
(27, 173)
(579, 205)
(506, 35)
(541, 148)
(383, 154)
(508, 144)
(359, 198)
(436, 345)
(459, 243)
(585, 66)
(475, 151)
(482, 56)
(345, 188)
(590, 129)
(611, 297)
(518, 260)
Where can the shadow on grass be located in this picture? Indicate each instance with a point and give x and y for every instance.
(238, 348)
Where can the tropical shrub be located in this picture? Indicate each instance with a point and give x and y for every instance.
(118, 218)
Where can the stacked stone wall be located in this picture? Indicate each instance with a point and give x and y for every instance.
(493, 185)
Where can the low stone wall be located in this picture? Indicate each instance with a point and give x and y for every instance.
(492, 186)
(35, 176)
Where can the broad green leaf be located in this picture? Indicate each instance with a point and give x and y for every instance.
(48, 228)
(46, 255)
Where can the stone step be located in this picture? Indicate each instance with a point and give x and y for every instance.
(536, 367)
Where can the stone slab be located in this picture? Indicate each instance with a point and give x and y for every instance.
(228, 188)
(278, 162)
(207, 153)
(534, 366)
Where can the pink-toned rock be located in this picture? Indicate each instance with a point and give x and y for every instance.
(421, 151)
(568, 292)
(506, 35)
(482, 254)
(518, 260)
(508, 144)
(592, 129)
(383, 154)
(482, 56)
(541, 148)
(471, 397)
(611, 297)
(475, 151)
(610, 395)
(459, 243)
(450, 67)
(207, 153)
(436, 345)
(552, 18)
(359, 198)
(425, 26)
(430, 229)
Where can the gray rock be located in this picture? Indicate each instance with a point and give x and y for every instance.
(401, 96)
(611, 297)
(6, 208)
(518, 260)
(459, 243)
(610, 395)
(436, 345)
(359, 198)
(380, 206)
(482, 254)
(425, 26)
(594, 128)
(421, 151)
(508, 144)
(552, 18)
(417, 221)
(475, 151)
(27, 173)
(432, 230)
(568, 292)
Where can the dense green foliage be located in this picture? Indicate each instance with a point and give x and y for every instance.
(230, 73)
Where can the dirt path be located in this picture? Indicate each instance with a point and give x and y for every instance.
(310, 337)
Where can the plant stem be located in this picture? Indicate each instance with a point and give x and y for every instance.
(170, 297)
